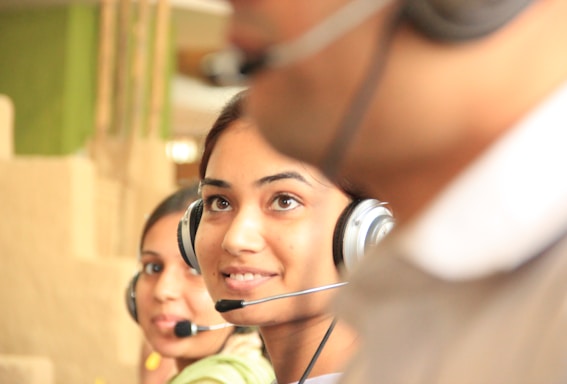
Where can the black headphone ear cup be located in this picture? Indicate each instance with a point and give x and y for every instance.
(339, 233)
(362, 224)
(186, 232)
(131, 297)
(460, 20)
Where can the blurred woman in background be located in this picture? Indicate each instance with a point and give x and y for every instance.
(170, 302)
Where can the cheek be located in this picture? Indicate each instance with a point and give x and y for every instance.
(206, 247)
(311, 250)
(204, 304)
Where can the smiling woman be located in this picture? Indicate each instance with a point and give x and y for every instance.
(268, 227)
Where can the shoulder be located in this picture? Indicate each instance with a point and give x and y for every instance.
(227, 369)
(243, 344)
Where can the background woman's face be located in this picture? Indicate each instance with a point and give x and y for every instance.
(168, 291)
(266, 229)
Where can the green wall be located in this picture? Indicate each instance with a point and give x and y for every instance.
(48, 68)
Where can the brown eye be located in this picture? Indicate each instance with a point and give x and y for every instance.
(284, 203)
(218, 204)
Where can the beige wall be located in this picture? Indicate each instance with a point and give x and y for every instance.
(63, 271)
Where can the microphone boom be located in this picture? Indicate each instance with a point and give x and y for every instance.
(225, 305)
(186, 328)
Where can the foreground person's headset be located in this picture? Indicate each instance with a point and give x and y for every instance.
(459, 20)
(440, 20)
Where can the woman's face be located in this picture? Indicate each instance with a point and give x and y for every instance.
(168, 291)
(266, 229)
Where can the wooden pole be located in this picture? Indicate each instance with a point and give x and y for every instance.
(122, 70)
(159, 63)
(139, 69)
(120, 160)
(138, 91)
(105, 76)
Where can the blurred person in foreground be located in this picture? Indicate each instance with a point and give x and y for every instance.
(455, 113)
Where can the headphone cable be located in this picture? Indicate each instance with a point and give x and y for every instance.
(359, 106)
(318, 352)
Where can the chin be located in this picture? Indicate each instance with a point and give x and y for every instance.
(246, 317)
(167, 351)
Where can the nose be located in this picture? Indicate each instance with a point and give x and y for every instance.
(245, 233)
(169, 285)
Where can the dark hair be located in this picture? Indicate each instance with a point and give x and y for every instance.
(176, 202)
(234, 110)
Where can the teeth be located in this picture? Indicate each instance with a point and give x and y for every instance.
(245, 276)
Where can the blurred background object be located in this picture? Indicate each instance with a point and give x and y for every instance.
(102, 112)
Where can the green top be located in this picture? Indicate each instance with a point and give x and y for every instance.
(240, 362)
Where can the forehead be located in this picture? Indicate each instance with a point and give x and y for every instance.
(163, 232)
(241, 151)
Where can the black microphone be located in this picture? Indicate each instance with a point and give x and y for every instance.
(185, 328)
(230, 305)
(231, 67)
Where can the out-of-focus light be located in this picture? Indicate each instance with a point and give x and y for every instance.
(181, 151)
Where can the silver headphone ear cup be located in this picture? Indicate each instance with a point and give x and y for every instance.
(131, 297)
(186, 231)
(367, 224)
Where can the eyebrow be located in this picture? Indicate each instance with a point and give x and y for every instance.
(282, 176)
(264, 180)
(214, 183)
(149, 252)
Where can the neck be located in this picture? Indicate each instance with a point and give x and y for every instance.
(408, 191)
(292, 345)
